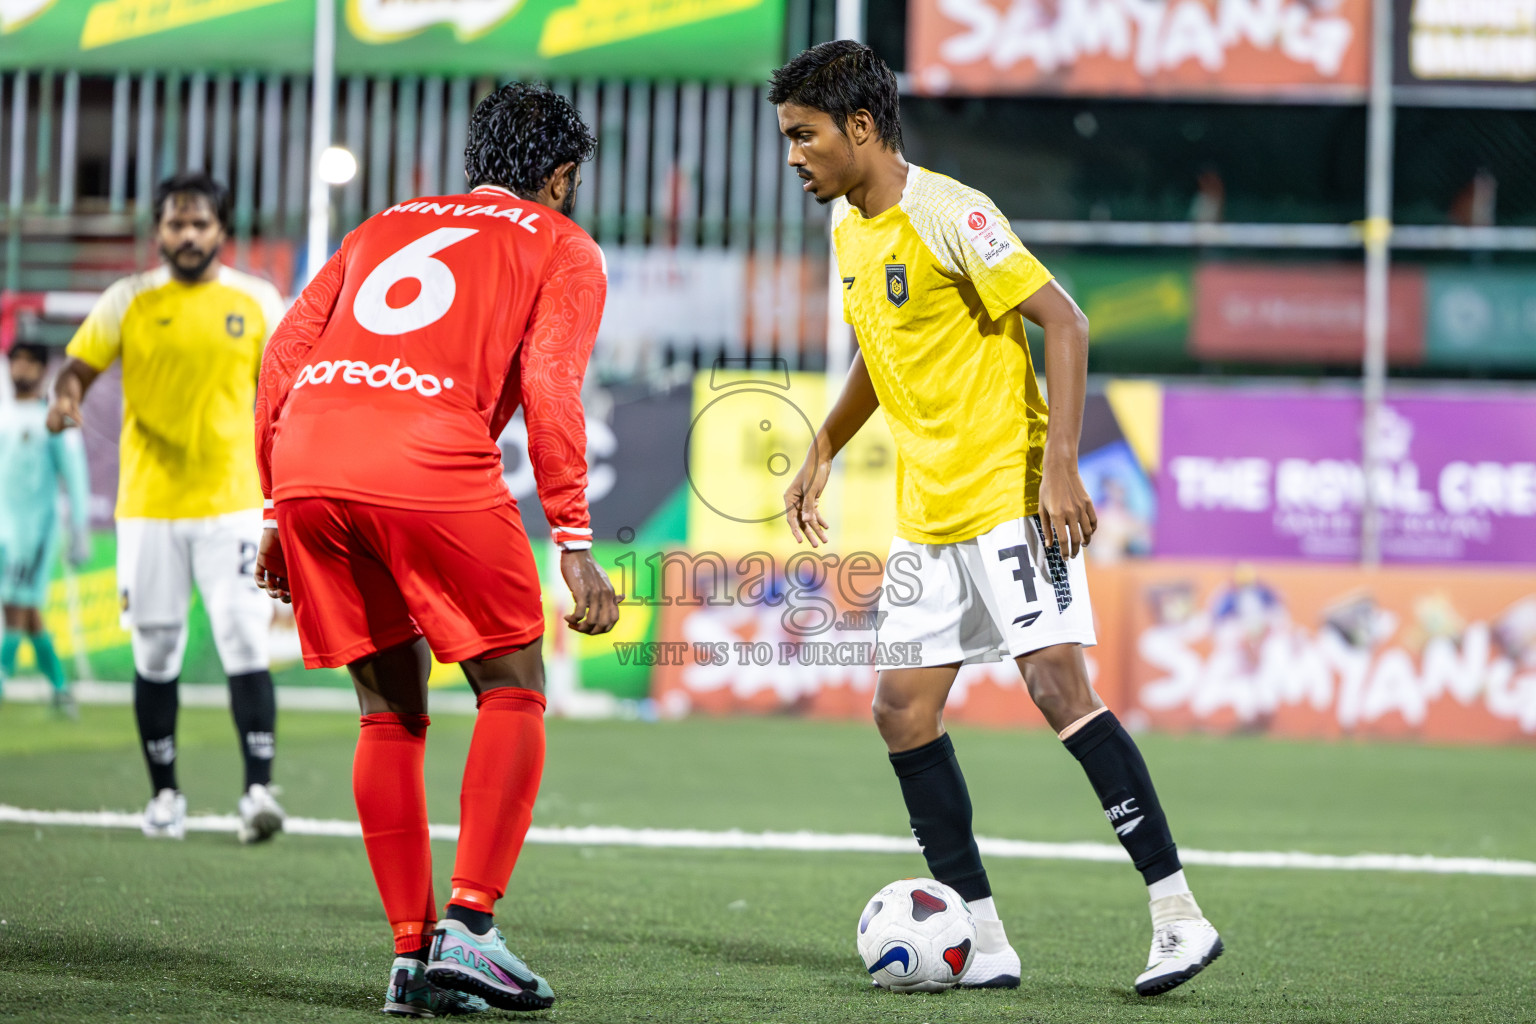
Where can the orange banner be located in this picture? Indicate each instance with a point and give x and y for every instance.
(1291, 49)
(1292, 650)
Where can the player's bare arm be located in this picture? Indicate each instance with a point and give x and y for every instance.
(69, 389)
(854, 407)
(1066, 511)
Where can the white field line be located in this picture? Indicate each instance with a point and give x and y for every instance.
(823, 842)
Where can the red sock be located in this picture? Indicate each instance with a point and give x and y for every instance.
(501, 780)
(391, 792)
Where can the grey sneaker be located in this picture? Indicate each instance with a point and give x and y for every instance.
(261, 817)
(165, 817)
(65, 706)
(482, 965)
(410, 994)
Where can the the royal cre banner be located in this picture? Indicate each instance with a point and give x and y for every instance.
(1290, 49)
(695, 39)
(1277, 474)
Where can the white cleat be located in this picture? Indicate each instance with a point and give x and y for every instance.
(1181, 949)
(261, 817)
(165, 817)
(992, 970)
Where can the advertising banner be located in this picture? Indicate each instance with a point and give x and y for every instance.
(1139, 306)
(1276, 474)
(1291, 49)
(1484, 318)
(697, 39)
(1291, 650)
(1263, 313)
(1435, 655)
(1486, 43)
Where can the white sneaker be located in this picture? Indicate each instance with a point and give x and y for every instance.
(997, 969)
(992, 970)
(165, 817)
(1181, 949)
(260, 815)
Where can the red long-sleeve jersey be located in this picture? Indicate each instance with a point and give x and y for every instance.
(393, 374)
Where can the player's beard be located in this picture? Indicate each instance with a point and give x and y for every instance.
(568, 204)
(180, 269)
(26, 387)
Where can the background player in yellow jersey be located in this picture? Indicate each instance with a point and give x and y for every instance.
(189, 335)
(992, 515)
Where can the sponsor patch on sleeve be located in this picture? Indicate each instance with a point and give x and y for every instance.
(988, 235)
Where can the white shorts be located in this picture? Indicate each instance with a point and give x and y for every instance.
(999, 595)
(159, 559)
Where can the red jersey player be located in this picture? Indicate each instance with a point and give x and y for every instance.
(380, 401)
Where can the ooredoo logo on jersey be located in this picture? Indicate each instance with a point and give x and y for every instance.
(379, 375)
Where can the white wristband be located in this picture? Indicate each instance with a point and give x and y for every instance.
(269, 524)
(575, 545)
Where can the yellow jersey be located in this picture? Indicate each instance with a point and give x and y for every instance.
(932, 287)
(191, 354)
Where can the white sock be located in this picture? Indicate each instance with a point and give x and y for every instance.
(990, 936)
(1173, 885)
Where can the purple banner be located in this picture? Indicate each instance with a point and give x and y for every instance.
(1276, 474)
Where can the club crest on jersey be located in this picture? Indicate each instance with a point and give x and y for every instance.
(896, 283)
(235, 325)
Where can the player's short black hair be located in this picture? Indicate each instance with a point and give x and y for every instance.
(32, 350)
(841, 77)
(519, 134)
(195, 183)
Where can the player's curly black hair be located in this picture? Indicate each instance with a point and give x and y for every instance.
(519, 134)
(195, 183)
(841, 77)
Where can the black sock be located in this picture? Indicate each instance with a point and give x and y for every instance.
(1120, 777)
(254, 707)
(155, 706)
(422, 954)
(477, 921)
(939, 807)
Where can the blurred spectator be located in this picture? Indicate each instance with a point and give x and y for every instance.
(1210, 197)
(1473, 205)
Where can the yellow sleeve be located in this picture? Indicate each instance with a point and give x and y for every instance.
(272, 310)
(981, 242)
(99, 341)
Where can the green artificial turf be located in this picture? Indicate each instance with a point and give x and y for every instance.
(99, 924)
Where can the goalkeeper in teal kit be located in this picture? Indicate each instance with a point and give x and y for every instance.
(33, 463)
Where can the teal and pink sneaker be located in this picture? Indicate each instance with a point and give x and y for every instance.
(410, 994)
(482, 965)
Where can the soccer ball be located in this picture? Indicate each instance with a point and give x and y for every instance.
(916, 935)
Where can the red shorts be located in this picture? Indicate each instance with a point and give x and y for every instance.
(366, 578)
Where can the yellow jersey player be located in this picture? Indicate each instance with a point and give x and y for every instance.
(992, 514)
(189, 336)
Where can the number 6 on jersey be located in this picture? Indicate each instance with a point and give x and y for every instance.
(417, 261)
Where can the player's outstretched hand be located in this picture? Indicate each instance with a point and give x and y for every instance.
(596, 605)
(801, 501)
(63, 411)
(1066, 511)
(272, 568)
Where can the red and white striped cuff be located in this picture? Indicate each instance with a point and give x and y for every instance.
(268, 516)
(572, 538)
